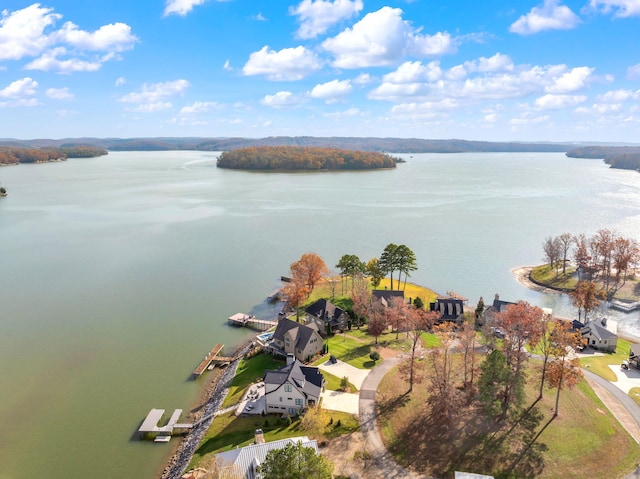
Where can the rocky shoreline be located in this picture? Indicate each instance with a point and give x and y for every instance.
(216, 391)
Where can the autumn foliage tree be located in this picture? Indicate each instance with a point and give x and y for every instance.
(309, 270)
(418, 322)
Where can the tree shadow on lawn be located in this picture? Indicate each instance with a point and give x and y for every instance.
(357, 354)
(430, 444)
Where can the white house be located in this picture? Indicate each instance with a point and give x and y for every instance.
(292, 388)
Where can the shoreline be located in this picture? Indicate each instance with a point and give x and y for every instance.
(522, 276)
(208, 402)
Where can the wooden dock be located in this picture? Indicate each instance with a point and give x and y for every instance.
(151, 429)
(250, 321)
(213, 356)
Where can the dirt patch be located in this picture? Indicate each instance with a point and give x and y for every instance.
(350, 458)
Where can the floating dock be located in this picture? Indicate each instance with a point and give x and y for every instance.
(250, 321)
(212, 358)
(624, 306)
(150, 428)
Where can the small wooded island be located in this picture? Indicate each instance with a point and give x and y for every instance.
(290, 158)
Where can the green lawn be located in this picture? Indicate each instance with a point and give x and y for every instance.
(228, 431)
(248, 372)
(332, 382)
(600, 364)
(546, 274)
(349, 350)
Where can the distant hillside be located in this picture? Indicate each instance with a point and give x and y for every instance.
(622, 157)
(392, 145)
(291, 158)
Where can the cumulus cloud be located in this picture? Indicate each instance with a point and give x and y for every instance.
(617, 96)
(199, 107)
(363, 79)
(282, 99)
(382, 38)
(120, 81)
(22, 32)
(619, 8)
(227, 66)
(348, 113)
(633, 72)
(59, 93)
(570, 81)
(19, 93)
(28, 33)
(332, 90)
(152, 97)
(286, 64)
(20, 89)
(260, 17)
(317, 16)
(549, 16)
(180, 7)
(557, 102)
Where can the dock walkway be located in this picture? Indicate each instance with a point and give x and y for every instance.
(213, 356)
(250, 321)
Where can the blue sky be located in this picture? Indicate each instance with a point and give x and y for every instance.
(500, 71)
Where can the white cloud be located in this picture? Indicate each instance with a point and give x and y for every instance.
(557, 102)
(427, 106)
(152, 97)
(317, 16)
(22, 31)
(199, 107)
(282, 99)
(20, 89)
(383, 38)
(528, 119)
(116, 37)
(633, 72)
(286, 64)
(227, 66)
(349, 113)
(363, 79)
(23, 34)
(549, 16)
(151, 107)
(49, 61)
(411, 72)
(60, 93)
(180, 7)
(332, 90)
(496, 63)
(570, 81)
(620, 8)
(617, 96)
(120, 81)
(260, 17)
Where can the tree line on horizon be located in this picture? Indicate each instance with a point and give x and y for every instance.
(14, 155)
(620, 157)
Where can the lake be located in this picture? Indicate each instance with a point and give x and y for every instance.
(118, 273)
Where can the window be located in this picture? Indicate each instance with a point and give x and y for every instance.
(287, 388)
(280, 398)
(298, 402)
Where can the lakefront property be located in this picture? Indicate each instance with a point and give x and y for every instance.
(490, 345)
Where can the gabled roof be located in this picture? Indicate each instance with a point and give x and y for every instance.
(245, 460)
(301, 335)
(499, 305)
(599, 331)
(307, 379)
(325, 311)
(449, 308)
(386, 295)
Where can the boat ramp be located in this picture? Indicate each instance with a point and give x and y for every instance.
(250, 321)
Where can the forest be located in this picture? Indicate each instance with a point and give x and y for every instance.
(13, 155)
(621, 157)
(290, 158)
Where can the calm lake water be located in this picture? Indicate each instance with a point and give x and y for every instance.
(117, 273)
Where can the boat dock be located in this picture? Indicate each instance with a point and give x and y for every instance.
(150, 428)
(212, 358)
(624, 306)
(250, 321)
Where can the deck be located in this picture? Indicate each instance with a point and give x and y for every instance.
(150, 426)
(250, 321)
(213, 356)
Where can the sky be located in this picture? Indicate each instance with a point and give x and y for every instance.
(549, 70)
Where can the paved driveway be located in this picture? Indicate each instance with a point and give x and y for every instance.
(339, 401)
(340, 368)
(627, 378)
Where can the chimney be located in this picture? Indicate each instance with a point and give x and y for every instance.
(290, 358)
(258, 437)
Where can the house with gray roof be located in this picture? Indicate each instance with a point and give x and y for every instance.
(498, 306)
(292, 388)
(294, 338)
(327, 317)
(244, 461)
(385, 296)
(599, 337)
(450, 309)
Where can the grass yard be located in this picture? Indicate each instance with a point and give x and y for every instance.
(248, 371)
(585, 440)
(546, 274)
(600, 364)
(350, 350)
(332, 382)
(228, 431)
